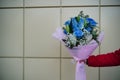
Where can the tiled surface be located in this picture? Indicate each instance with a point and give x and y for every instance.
(29, 52)
(11, 32)
(80, 2)
(110, 73)
(92, 73)
(11, 69)
(11, 3)
(42, 2)
(110, 25)
(67, 69)
(39, 27)
(110, 2)
(67, 13)
(42, 69)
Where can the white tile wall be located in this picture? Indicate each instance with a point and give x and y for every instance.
(92, 73)
(29, 52)
(80, 2)
(67, 69)
(11, 3)
(42, 2)
(110, 2)
(11, 32)
(11, 69)
(110, 24)
(42, 69)
(39, 26)
(110, 73)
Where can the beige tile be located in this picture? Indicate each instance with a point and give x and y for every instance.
(42, 69)
(42, 2)
(67, 70)
(110, 25)
(11, 69)
(92, 73)
(110, 73)
(39, 27)
(110, 2)
(80, 2)
(11, 32)
(11, 3)
(67, 13)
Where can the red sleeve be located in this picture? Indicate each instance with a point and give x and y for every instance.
(105, 60)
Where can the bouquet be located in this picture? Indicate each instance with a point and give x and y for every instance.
(81, 36)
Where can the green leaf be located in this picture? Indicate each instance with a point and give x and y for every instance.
(78, 18)
(67, 29)
(85, 23)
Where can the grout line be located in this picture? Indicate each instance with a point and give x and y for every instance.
(109, 5)
(49, 57)
(100, 29)
(23, 39)
(60, 42)
(60, 6)
(37, 57)
(9, 57)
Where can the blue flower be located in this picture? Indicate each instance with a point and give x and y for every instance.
(67, 22)
(88, 29)
(91, 21)
(79, 30)
(74, 23)
(65, 32)
(75, 29)
(78, 34)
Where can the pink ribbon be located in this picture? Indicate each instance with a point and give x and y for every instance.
(80, 71)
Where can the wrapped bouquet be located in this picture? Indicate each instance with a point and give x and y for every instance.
(81, 36)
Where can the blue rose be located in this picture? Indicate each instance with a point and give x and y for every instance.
(78, 34)
(88, 29)
(91, 21)
(67, 23)
(74, 23)
(75, 29)
(64, 31)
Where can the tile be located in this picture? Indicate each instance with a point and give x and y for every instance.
(42, 69)
(110, 25)
(110, 2)
(67, 13)
(80, 2)
(42, 2)
(11, 3)
(11, 69)
(92, 73)
(39, 27)
(67, 70)
(11, 32)
(110, 73)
